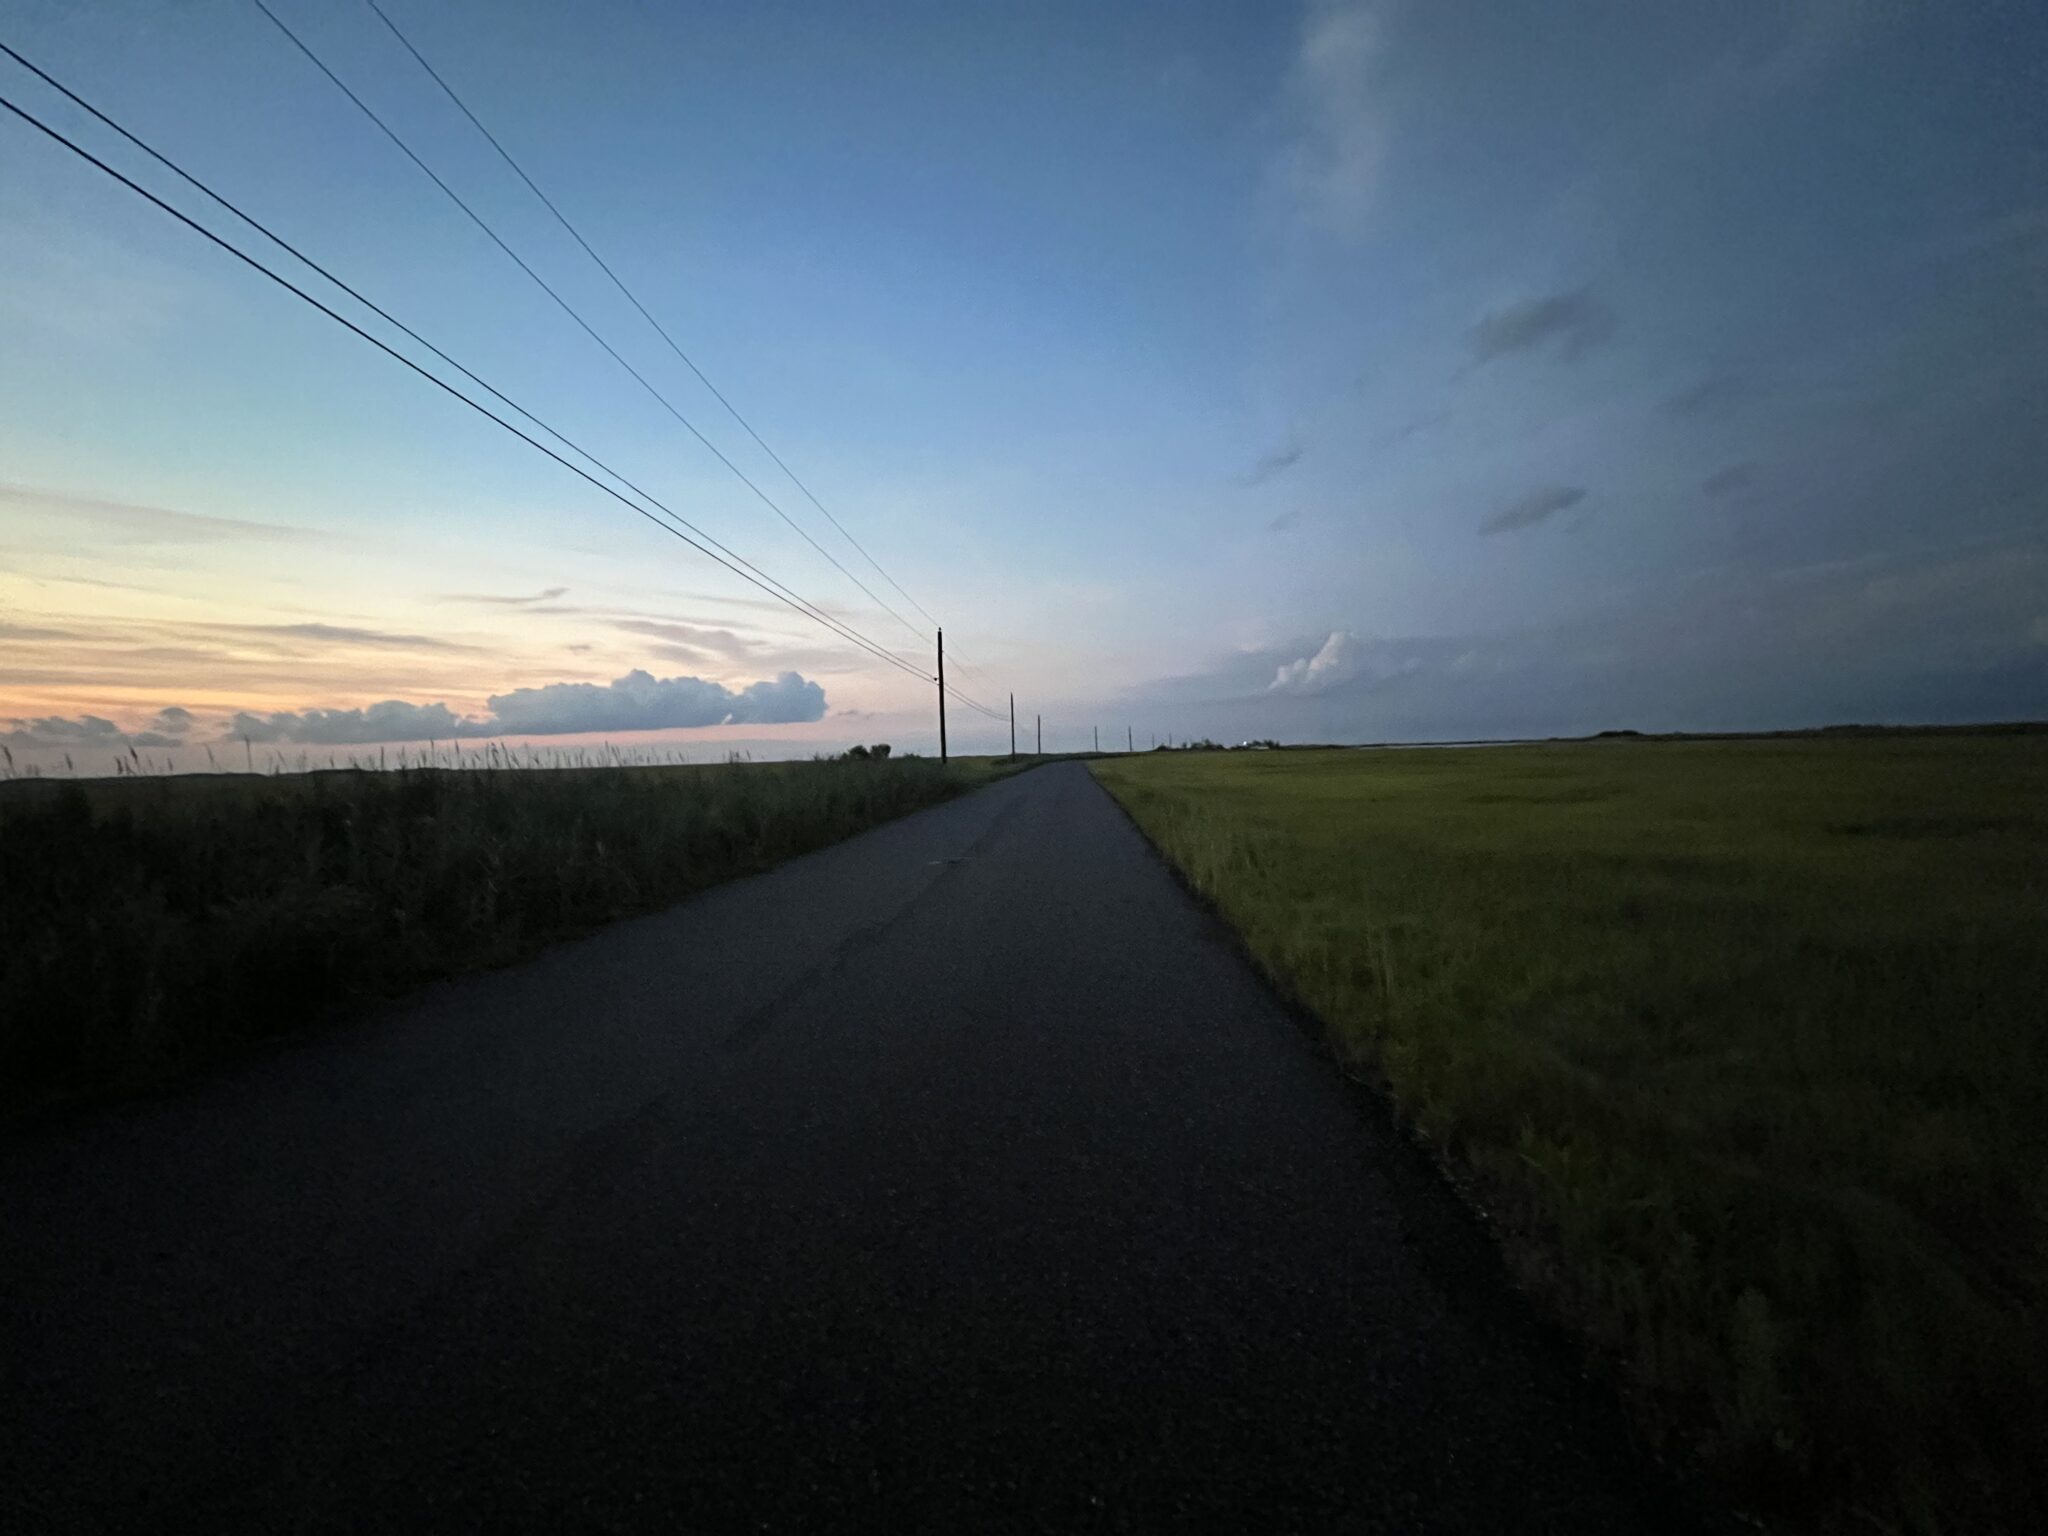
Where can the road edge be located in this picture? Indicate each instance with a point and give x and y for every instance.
(1465, 1248)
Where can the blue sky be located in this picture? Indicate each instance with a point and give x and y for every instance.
(1343, 371)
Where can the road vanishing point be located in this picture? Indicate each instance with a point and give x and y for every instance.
(960, 1177)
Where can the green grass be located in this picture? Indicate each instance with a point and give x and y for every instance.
(153, 924)
(1747, 1038)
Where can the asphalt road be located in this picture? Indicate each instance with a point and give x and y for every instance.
(960, 1177)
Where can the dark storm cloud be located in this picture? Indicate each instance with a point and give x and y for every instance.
(1528, 510)
(1950, 636)
(1570, 323)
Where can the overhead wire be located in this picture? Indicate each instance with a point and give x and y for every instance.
(633, 299)
(844, 631)
(790, 595)
(717, 551)
(571, 311)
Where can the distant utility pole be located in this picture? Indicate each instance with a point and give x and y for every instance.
(1098, 738)
(942, 695)
(1130, 741)
(1040, 719)
(1013, 725)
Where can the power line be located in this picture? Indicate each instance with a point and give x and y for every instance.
(737, 564)
(633, 299)
(575, 234)
(845, 632)
(994, 714)
(570, 310)
(803, 604)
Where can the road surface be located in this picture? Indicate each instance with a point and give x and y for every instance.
(960, 1177)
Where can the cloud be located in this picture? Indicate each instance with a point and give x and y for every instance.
(693, 637)
(1574, 322)
(1709, 397)
(393, 720)
(1334, 663)
(343, 634)
(1912, 638)
(1736, 477)
(1273, 463)
(526, 600)
(132, 524)
(1342, 660)
(1415, 426)
(57, 731)
(1528, 510)
(1285, 521)
(1330, 172)
(641, 702)
(694, 644)
(169, 729)
(638, 701)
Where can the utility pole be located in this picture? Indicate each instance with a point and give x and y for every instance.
(1013, 725)
(942, 695)
(1130, 740)
(1098, 738)
(1040, 719)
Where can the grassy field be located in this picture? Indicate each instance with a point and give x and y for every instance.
(1748, 1041)
(150, 924)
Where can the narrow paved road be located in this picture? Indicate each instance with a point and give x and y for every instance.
(960, 1177)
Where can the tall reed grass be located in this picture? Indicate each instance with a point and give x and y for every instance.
(149, 924)
(1747, 1038)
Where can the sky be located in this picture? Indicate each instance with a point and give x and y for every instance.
(1345, 371)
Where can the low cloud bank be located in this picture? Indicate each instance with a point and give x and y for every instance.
(393, 720)
(1952, 637)
(1342, 660)
(638, 701)
(169, 728)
